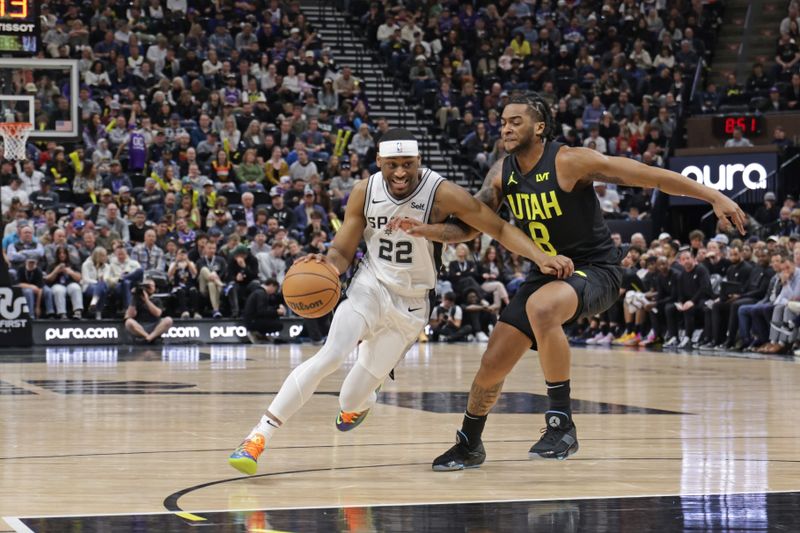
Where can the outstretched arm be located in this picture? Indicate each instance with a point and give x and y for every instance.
(581, 166)
(452, 200)
(456, 230)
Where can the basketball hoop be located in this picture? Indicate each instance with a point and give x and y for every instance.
(15, 136)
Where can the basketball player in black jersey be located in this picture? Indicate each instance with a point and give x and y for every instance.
(548, 188)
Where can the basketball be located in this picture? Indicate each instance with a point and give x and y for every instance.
(311, 289)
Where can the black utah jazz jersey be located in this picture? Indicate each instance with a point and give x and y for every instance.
(566, 223)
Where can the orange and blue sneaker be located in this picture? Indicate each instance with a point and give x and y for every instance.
(245, 457)
(347, 421)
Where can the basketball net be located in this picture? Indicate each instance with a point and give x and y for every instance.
(15, 137)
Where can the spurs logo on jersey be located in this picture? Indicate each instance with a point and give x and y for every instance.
(403, 263)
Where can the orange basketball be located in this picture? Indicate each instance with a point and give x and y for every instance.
(311, 289)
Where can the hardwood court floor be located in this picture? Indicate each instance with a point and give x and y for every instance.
(118, 430)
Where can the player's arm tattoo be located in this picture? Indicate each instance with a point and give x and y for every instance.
(454, 230)
(482, 400)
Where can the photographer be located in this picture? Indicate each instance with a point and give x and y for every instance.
(446, 321)
(143, 317)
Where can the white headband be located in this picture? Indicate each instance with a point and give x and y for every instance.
(398, 149)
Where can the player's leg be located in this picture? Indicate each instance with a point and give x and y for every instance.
(377, 356)
(589, 291)
(347, 328)
(548, 309)
(507, 344)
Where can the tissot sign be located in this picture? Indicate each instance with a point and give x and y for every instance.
(728, 174)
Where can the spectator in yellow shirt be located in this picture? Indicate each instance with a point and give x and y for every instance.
(521, 47)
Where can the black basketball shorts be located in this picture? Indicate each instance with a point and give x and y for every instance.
(596, 285)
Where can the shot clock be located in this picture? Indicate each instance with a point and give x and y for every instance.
(19, 27)
(723, 125)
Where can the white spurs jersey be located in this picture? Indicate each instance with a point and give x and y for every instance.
(407, 265)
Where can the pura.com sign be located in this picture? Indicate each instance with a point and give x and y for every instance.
(750, 174)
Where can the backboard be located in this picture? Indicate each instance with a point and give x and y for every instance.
(43, 92)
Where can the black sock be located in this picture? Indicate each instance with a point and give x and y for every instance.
(472, 428)
(630, 327)
(558, 394)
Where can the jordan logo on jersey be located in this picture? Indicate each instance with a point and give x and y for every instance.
(511, 180)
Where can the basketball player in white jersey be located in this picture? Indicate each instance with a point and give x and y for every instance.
(387, 303)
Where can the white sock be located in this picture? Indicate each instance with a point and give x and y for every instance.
(266, 427)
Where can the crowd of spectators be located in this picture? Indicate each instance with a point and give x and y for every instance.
(221, 140)
(720, 293)
(617, 75)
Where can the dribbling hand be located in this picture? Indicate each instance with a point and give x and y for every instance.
(319, 258)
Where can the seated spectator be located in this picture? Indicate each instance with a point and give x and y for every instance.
(11, 191)
(250, 172)
(463, 273)
(26, 247)
(96, 277)
(31, 280)
(263, 310)
(147, 254)
(63, 279)
(302, 213)
(126, 273)
(479, 316)
(144, 318)
(694, 288)
(242, 271)
(271, 264)
(493, 278)
(782, 326)
(182, 274)
(212, 270)
(735, 277)
(738, 140)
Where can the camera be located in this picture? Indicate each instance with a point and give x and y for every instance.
(139, 290)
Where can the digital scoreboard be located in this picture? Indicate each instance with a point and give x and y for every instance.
(19, 27)
(723, 125)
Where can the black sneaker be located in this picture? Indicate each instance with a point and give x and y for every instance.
(559, 439)
(460, 456)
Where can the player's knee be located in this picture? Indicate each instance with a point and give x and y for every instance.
(493, 367)
(544, 315)
(167, 321)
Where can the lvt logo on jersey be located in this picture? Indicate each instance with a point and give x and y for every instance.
(542, 176)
